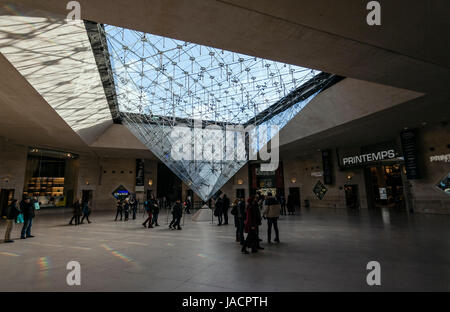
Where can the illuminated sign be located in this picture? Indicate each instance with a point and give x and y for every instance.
(369, 157)
(120, 192)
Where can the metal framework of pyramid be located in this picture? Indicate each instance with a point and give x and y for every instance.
(202, 111)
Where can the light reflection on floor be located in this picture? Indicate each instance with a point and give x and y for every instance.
(317, 250)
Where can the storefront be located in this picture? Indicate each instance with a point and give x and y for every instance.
(51, 177)
(265, 182)
(384, 174)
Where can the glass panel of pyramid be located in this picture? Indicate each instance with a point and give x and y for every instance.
(202, 111)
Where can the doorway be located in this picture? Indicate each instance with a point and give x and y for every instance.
(240, 193)
(352, 196)
(168, 184)
(6, 196)
(294, 196)
(385, 184)
(86, 196)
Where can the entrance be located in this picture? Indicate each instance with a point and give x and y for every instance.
(51, 176)
(294, 197)
(351, 196)
(86, 196)
(6, 197)
(168, 184)
(240, 193)
(385, 185)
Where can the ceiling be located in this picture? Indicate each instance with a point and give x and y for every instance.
(403, 65)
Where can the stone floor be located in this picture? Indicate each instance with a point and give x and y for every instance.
(320, 250)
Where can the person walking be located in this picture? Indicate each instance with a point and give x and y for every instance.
(11, 215)
(119, 209)
(218, 212)
(188, 204)
(272, 212)
(225, 208)
(177, 212)
(156, 208)
(27, 209)
(76, 208)
(149, 208)
(86, 210)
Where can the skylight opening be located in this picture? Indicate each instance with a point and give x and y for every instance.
(158, 76)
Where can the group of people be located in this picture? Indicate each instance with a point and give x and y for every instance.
(289, 204)
(125, 206)
(25, 210)
(222, 205)
(152, 207)
(248, 219)
(80, 210)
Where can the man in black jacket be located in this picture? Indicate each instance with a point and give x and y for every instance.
(11, 215)
(225, 207)
(27, 209)
(155, 213)
(177, 212)
(241, 219)
(218, 209)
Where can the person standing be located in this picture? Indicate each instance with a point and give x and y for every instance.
(225, 208)
(251, 223)
(11, 215)
(126, 208)
(119, 209)
(283, 205)
(27, 209)
(218, 210)
(76, 208)
(133, 206)
(290, 204)
(86, 210)
(241, 220)
(238, 219)
(272, 212)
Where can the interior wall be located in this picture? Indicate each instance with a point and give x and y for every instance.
(89, 177)
(114, 172)
(427, 198)
(302, 169)
(232, 185)
(13, 160)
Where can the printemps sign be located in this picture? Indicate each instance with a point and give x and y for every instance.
(362, 159)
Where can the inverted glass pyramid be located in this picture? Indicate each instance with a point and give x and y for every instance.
(202, 111)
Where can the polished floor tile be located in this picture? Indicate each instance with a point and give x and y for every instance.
(320, 250)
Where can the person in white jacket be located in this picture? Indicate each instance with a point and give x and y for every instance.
(272, 210)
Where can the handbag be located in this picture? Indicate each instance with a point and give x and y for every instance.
(36, 206)
(19, 218)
